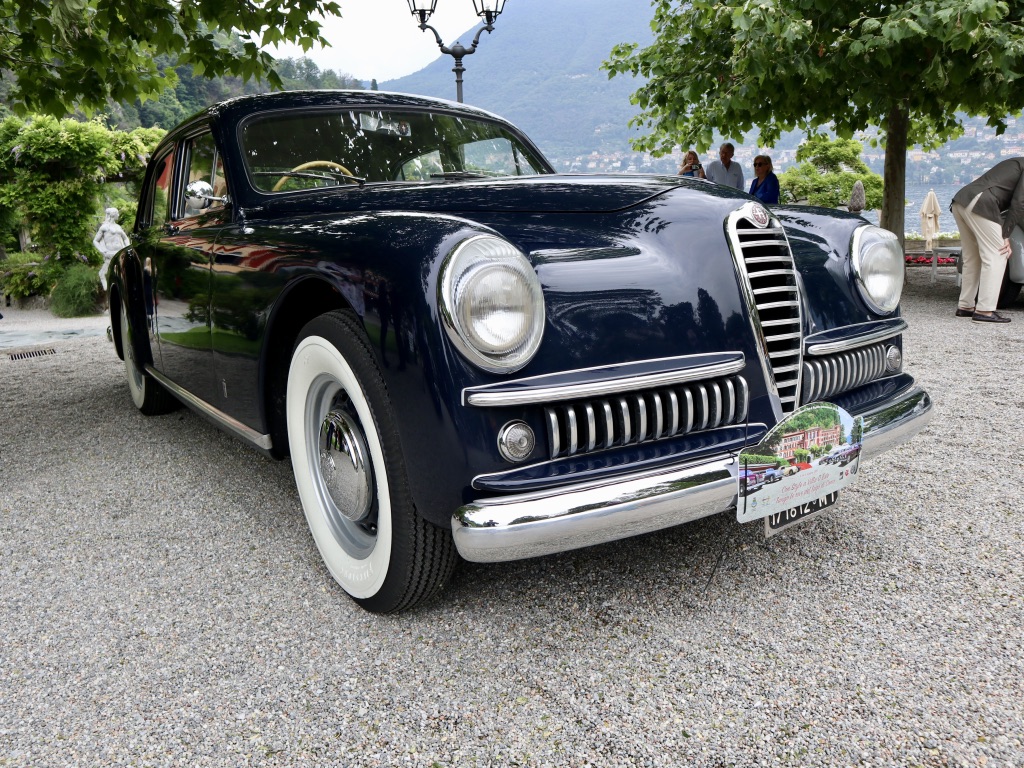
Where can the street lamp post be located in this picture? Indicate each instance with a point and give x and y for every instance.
(488, 10)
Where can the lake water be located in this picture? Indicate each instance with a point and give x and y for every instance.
(915, 195)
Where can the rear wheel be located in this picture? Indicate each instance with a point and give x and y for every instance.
(350, 473)
(147, 394)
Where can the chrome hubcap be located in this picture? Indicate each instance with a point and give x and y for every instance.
(344, 468)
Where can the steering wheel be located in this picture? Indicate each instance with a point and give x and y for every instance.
(314, 164)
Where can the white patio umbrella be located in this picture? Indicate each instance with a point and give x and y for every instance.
(930, 212)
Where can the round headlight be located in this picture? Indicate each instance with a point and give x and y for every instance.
(878, 268)
(492, 304)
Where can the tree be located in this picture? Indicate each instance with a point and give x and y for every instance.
(65, 54)
(51, 177)
(779, 65)
(827, 172)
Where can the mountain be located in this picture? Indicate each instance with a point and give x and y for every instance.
(540, 69)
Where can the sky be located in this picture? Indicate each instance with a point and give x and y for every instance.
(381, 39)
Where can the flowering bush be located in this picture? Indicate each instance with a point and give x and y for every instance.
(942, 260)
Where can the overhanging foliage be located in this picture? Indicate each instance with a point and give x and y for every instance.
(67, 54)
(779, 65)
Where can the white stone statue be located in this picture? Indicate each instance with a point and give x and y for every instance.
(110, 239)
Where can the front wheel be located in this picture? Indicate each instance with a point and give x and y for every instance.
(351, 476)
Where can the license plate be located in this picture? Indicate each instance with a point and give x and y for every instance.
(800, 466)
(780, 521)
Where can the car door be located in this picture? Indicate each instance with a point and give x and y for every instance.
(176, 249)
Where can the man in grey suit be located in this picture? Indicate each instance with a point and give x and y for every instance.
(985, 236)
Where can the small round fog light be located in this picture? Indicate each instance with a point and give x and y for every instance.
(893, 358)
(516, 441)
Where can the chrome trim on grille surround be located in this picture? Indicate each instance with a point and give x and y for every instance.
(764, 264)
(894, 327)
(535, 390)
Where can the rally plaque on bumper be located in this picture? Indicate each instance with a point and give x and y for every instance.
(799, 468)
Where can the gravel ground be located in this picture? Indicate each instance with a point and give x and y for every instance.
(162, 603)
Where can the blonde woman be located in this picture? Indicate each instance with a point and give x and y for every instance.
(691, 166)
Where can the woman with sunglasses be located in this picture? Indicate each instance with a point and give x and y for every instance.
(765, 186)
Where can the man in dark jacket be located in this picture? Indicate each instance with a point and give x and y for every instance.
(985, 236)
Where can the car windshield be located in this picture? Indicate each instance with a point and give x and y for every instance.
(292, 151)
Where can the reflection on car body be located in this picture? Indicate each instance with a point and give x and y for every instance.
(464, 353)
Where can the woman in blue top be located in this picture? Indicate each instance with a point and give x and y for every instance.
(765, 186)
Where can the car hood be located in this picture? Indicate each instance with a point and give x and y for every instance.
(551, 193)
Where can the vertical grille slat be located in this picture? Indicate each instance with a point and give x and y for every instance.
(626, 422)
(702, 406)
(641, 419)
(582, 427)
(591, 427)
(609, 425)
(574, 442)
(658, 415)
(673, 400)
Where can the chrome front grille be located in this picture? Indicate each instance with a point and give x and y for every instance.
(767, 266)
(584, 426)
(841, 372)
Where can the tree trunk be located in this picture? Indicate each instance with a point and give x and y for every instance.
(895, 175)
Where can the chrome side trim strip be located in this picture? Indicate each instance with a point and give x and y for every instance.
(897, 326)
(218, 417)
(486, 397)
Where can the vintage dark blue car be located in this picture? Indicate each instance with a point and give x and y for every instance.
(465, 353)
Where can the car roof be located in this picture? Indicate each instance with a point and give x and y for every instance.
(244, 105)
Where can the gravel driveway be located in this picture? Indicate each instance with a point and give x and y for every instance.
(162, 603)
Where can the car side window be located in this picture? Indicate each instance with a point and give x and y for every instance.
(205, 164)
(496, 157)
(160, 193)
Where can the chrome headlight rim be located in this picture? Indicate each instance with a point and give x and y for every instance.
(469, 259)
(864, 259)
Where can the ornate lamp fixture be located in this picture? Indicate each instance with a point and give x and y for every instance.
(488, 10)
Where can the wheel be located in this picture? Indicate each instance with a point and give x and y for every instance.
(351, 476)
(314, 164)
(1008, 292)
(147, 393)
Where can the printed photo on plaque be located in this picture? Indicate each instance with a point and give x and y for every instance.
(799, 467)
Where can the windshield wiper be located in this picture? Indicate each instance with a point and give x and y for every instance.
(459, 175)
(322, 175)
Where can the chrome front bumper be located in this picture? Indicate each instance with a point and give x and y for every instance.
(545, 522)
